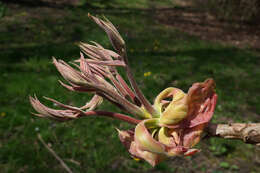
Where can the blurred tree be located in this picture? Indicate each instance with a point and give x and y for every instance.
(57, 2)
(43, 2)
(242, 10)
(2, 9)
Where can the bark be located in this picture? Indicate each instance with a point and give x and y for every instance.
(248, 132)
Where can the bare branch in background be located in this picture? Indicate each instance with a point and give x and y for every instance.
(63, 164)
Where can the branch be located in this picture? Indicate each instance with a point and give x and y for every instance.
(63, 164)
(248, 132)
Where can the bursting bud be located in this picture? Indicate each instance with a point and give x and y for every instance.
(178, 127)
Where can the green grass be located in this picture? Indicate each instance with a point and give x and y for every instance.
(173, 58)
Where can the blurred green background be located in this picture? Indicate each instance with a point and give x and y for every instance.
(176, 42)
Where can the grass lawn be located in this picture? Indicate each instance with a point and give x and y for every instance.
(29, 37)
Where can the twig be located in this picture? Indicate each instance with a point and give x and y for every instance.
(74, 161)
(137, 90)
(248, 132)
(63, 164)
(119, 116)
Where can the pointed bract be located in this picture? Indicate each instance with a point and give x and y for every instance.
(114, 36)
(70, 74)
(44, 111)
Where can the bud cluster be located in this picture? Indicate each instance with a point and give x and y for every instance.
(169, 127)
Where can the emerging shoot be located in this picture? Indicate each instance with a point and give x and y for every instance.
(171, 126)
